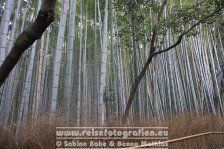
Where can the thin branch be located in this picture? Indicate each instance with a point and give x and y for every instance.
(154, 33)
(138, 79)
(149, 60)
(186, 32)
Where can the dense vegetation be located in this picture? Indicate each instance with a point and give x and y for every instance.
(101, 61)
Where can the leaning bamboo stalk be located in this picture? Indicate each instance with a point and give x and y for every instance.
(177, 140)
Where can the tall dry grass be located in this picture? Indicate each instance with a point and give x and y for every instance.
(180, 127)
(40, 133)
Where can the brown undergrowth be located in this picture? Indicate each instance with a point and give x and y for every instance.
(40, 133)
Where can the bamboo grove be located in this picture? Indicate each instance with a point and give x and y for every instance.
(86, 62)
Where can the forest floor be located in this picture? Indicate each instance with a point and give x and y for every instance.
(40, 134)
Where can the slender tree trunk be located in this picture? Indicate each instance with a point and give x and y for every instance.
(95, 70)
(69, 60)
(58, 57)
(43, 84)
(85, 110)
(103, 70)
(5, 28)
(79, 68)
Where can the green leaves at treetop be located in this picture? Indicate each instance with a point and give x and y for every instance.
(183, 14)
(218, 3)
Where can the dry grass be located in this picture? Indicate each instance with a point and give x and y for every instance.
(36, 134)
(40, 134)
(180, 127)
